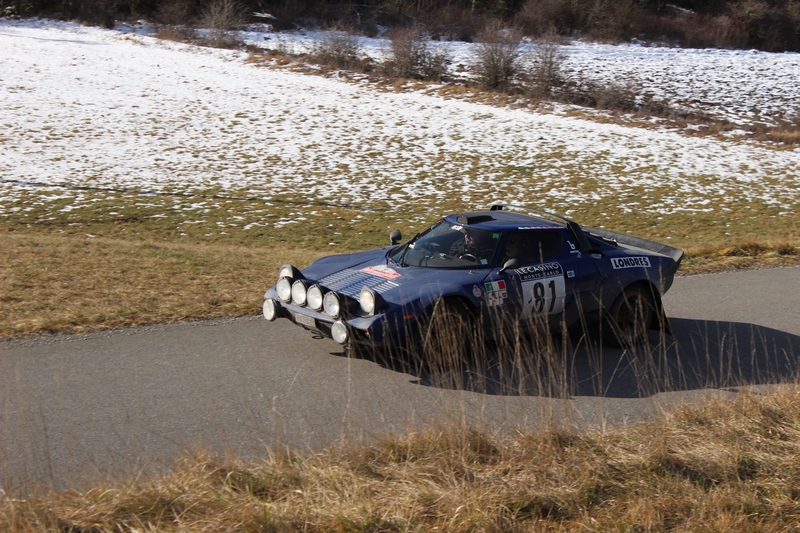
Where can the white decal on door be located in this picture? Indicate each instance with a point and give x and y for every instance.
(544, 296)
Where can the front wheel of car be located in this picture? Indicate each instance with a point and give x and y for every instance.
(630, 318)
(448, 340)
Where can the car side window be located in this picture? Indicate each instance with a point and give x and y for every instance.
(532, 246)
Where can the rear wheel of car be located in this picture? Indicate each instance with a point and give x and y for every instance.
(630, 318)
(448, 339)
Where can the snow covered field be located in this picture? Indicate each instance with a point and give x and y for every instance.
(742, 86)
(86, 110)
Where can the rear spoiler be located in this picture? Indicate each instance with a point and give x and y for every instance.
(637, 242)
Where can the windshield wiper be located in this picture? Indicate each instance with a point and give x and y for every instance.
(401, 262)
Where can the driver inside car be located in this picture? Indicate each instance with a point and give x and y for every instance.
(475, 246)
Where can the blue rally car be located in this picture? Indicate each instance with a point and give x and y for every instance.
(482, 271)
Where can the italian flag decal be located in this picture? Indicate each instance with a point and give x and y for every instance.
(496, 292)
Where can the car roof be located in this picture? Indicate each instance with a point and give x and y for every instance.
(497, 220)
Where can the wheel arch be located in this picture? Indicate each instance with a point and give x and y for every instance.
(455, 300)
(659, 320)
(454, 294)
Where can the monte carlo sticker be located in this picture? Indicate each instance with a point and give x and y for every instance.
(381, 271)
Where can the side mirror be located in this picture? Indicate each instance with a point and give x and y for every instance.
(511, 263)
(396, 237)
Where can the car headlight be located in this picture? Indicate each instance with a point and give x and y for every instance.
(369, 300)
(299, 292)
(284, 289)
(332, 304)
(314, 297)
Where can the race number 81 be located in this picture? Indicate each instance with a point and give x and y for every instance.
(544, 296)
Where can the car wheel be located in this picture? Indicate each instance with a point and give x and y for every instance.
(448, 338)
(629, 318)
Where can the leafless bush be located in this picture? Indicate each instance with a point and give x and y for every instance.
(547, 65)
(223, 18)
(414, 57)
(498, 63)
(338, 48)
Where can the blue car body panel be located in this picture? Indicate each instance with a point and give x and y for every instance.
(560, 272)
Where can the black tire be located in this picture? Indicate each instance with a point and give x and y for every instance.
(447, 338)
(629, 318)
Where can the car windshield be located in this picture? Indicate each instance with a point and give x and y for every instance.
(449, 245)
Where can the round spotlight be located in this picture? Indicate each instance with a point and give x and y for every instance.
(270, 309)
(299, 292)
(284, 289)
(314, 297)
(332, 305)
(287, 271)
(339, 332)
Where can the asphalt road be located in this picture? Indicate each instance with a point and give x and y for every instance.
(75, 409)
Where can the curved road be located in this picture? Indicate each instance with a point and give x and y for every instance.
(74, 409)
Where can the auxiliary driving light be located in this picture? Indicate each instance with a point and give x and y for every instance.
(284, 289)
(314, 297)
(289, 271)
(270, 309)
(339, 332)
(332, 305)
(299, 291)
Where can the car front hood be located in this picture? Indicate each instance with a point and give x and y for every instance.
(348, 274)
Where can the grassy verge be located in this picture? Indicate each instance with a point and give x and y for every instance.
(60, 284)
(720, 466)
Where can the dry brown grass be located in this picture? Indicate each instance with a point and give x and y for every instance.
(69, 284)
(739, 256)
(724, 465)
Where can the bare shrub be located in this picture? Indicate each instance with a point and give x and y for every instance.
(338, 48)
(546, 70)
(413, 57)
(223, 18)
(499, 57)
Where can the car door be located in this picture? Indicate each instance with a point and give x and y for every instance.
(553, 277)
